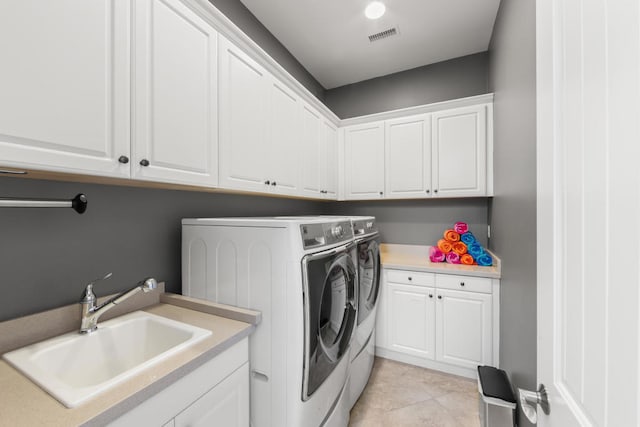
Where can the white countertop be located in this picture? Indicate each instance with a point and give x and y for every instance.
(416, 258)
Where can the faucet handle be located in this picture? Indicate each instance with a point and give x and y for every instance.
(88, 297)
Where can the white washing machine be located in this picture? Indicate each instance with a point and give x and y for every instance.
(363, 345)
(301, 273)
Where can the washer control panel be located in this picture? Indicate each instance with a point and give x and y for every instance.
(322, 234)
(363, 226)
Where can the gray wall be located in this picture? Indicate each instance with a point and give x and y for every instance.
(249, 24)
(456, 78)
(48, 255)
(513, 211)
(420, 222)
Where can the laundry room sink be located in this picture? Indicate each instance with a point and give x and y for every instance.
(74, 368)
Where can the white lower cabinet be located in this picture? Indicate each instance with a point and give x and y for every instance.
(215, 394)
(411, 319)
(440, 321)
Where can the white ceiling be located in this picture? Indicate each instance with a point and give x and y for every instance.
(330, 37)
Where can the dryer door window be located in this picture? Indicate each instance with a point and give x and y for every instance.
(330, 314)
(369, 277)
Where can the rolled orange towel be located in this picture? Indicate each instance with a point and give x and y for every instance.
(459, 248)
(451, 236)
(466, 259)
(444, 246)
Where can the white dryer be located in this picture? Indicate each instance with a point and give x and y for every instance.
(363, 346)
(301, 273)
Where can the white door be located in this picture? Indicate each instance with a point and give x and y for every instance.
(64, 86)
(460, 152)
(411, 319)
(463, 328)
(243, 119)
(175, 95)
(329, 161)
(407, 150)
(283, 161)
(364, 161)
(588, 295)
(311, 148)
(227, 404)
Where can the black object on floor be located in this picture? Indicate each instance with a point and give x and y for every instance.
(495, 383)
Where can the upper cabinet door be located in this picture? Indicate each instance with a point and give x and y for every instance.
(175, 94)
(460, 152)
(64, 85)
(283, 162)
(408, 157)
(312, 149)
(244, 93)
(364, 161)
(329, 161)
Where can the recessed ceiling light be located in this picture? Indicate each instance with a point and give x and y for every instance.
(375, 10)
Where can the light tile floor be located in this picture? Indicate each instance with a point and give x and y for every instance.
(404, 395)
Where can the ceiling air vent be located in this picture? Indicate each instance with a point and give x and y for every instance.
(383, 34)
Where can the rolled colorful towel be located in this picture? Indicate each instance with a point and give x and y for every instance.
(453, 258)
(459, 248)
(485, 260)
(451, 236)
(436, 255)
(475, 250)
(466, 259)
(461, 227)
(468, 238)
(444, 246)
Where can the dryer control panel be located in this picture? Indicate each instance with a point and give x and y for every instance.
(324, 234)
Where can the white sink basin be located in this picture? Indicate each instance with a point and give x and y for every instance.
(74, 368)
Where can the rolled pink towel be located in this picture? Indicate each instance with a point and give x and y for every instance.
(453, 258)
(461, 227)
(436, 255)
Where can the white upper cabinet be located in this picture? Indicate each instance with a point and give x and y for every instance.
(329, 161)
(175, 95)
(64, 86)
(460, 152)
(311, 138)
(244, 93)
(408, 157)
(364, 161)
(284, 140)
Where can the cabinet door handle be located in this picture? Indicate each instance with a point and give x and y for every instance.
(273, 183)
(428, 191)
(430, 295)
(461, 283)
(381, 193)
(435, 191)
(123, 159)
(439, 296)
(267, 182)
(144, 162)
(410, 278)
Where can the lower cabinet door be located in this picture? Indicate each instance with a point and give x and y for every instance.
(463, 328)
(225, 405)
(411, 319)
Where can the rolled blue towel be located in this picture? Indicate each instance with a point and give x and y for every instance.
(467, 238)
(485, 260)
(475, 250)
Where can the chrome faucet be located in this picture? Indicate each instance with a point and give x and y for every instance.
(91, 312)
